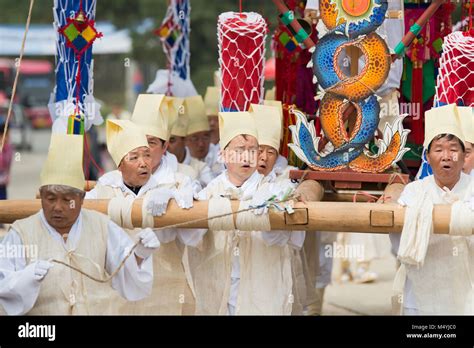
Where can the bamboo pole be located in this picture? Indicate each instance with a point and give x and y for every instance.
(309, 216)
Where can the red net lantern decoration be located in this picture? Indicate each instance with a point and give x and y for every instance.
(241, 38)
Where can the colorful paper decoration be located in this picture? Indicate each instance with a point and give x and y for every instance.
(169, 32)
(73, 93)
(354, 28)
(80, 33)
(174, 35)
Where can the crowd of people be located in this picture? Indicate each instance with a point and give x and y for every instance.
(185, 149)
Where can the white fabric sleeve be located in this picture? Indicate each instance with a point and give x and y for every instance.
(282, 187)
(167, 235)
(18, 287)
(183, 182)
(191, 236)
(92, 194)
(205, 176)
(133, 282)
(407, 199)
(297, 239)
(187, 236)
(203, 195)
(408, 196)
(281, 238)
(197, 187)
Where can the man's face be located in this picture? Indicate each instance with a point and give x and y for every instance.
(157, 150)
(60, 209)
(266, 159)
(116, 109)
(213, 123)
(446, 158)
(176, 145)
(136, 167)
(469, 158)
(240, 156)
(198, 144)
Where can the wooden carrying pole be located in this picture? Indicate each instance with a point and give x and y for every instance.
(310, 216)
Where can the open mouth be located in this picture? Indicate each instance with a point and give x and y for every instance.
(447, 167)
(263, 166)
(145, 173)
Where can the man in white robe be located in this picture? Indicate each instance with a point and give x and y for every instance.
(189, 119)
(172, 290)
(211, 100)
(239, 272)
(443, 283)
(275, 169)
(198, 140)
(31, 283)
(311, 267)
(176, 143)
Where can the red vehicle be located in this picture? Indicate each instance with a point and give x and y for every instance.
(7, 74)
(34, 88)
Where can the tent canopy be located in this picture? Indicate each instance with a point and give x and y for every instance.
(41, 40)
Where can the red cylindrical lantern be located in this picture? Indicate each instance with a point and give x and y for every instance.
(456, 70)
(241, 39)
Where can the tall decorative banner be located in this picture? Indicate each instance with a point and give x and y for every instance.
(293, 79)
(349, 26)
(174, 35)
(72, 105)
(241, 38)
(420, 61)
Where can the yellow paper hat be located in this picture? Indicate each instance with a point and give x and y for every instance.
(270, 94)
(441, 120)
(211, 100)
(177, 119)
(123, 136)
(64, 163)
(466, 115)
(268, 122)
(232, 124)
(151, 115)
(275, 103)
(195, 109)
(279, 105)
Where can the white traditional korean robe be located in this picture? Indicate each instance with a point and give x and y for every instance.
(204, 174)
(212, 160)
(444, 284)
(303, 289)
(95, 244)
(172, 289)
(238, 272)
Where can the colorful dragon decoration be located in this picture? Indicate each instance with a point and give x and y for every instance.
(350, 23)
